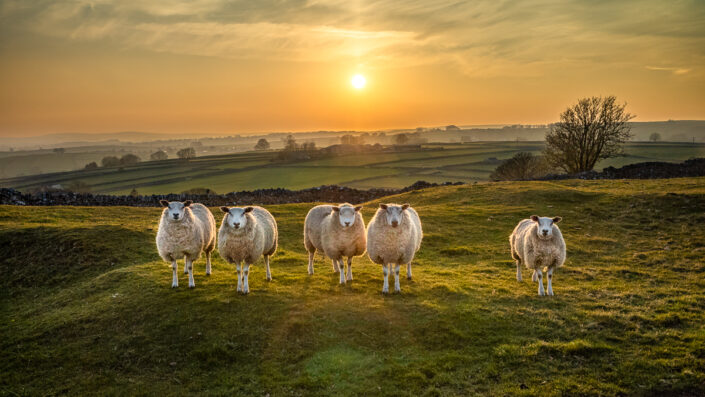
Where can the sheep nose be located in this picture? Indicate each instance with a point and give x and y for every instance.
(176, 216)
(545, 232)
(237, 224)
(347, 223)
(395, 223)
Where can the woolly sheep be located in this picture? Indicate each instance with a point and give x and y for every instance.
(336, 231)
(244, 235)
(185, 231)
(393, 236)
(539, 244)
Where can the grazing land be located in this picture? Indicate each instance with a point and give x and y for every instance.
(87, 306)
(469, 162)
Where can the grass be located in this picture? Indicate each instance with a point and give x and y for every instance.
(247, 171)
(87, 306)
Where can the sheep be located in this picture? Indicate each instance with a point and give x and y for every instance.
(336, 231)
(539, 244)
(244, 235)
(393, 236)
(185, 230)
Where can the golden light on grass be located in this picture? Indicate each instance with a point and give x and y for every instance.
(358, 81)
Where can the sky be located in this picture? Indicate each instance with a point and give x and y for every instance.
(223, 67)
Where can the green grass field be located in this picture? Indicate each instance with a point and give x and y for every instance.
(87, 306)
(247, 171)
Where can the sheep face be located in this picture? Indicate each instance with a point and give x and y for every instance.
(393, 213)
(175, 210)
(236, 218)
(346, 214)
(545, 225)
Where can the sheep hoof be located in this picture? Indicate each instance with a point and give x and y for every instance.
(385, 290)
(208, 273)
(408, 277)
(269, 278)
(192, 286)
(175, 286)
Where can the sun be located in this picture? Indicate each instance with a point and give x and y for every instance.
(358, 81)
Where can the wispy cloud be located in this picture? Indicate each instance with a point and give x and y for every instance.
(489, 37)
(673, 70)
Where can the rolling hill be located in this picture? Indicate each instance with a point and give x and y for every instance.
(87, 306)
(469, 162)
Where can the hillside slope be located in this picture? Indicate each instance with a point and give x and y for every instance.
(87, 305)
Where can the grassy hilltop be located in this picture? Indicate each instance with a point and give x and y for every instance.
(87, 306)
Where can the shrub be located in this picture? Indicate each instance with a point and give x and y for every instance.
(521, 167)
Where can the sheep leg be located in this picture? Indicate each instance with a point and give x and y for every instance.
(266, 267)
(191, 283)
(349, 276)
(549, 275)
(238, 267)
(310, 262)
(208, 263)
(341, 266)
(335, 266)
(385, 286)
(518, 271)
(174, 278)
(245, 284)
(408, 270)
(539, 275)
(185, 266)
(533, 277)
(397, 288)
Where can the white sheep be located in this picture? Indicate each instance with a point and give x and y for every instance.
(539, 244)
(393, 236)
(336, 231)
(185, 231)
(244, 235)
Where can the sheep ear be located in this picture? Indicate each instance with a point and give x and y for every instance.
(405, 206)
(534, 218)
(358, 208)
(557, 219)
(249, 209)
(336, 209)
(164, 203)
(187, 203)
(383, 206)
(225, 209)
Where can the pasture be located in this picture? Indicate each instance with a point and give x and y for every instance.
(87, 305)
(470, 162)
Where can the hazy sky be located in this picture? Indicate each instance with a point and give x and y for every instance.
(213, 66)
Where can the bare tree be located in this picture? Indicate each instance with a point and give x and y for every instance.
(401, 139)
(655, 137)
(110, 161)
(186, 153)
(290, 143)
(158, 155)
(595, 128)
(129, 159)
(262, 144)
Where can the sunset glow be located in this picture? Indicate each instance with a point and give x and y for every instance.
(212, 66)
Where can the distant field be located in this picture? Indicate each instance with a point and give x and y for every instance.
(248, 171)
(88, 309)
